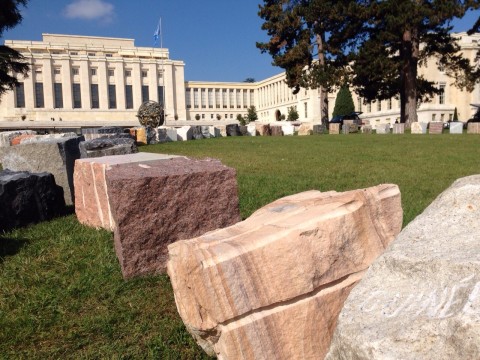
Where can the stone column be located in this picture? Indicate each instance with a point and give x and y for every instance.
(169, 89)
(136, 85)
(120, 85)
(85, 84)
(152, 82)
(48, 83)
(103, 85)
(66, 76)
(179, 88)
(29, 91)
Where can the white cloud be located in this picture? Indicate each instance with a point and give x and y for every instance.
(90, 10)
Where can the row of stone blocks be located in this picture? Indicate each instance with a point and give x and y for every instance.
(416, 128)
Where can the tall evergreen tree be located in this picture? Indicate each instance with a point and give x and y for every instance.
(401, 36)
(298, 42)
(344, 102)
(251, 114)
(11, 61)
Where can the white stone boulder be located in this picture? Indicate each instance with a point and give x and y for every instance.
(184, 133)
(456, 127)
(418, 128)
(421, 298)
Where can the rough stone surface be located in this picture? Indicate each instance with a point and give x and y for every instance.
(288, 129)
(214, 131)
(222, 129)
(271, 287)
(197, 133)
(435, 127)
(263, 129)
(182, 198)
(140, 135)
(252, 129)
(166, 134)
(418, 127)
(456, 127)
(243, 130)
(184, 133)
(276, 130)
(92, 206)
(233, 130)
(334, 129)
(421, 298)
(398, 128)
(17, 140)
(106, 131)
(47, 138)
(7, 136)
(107, 146)
(206, 131)
(319, 128)
(55, 155)
(305, 129)
(28, 198)
(366, 129)
(473, 128)
(382, 128)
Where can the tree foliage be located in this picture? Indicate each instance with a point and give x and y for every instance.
(455, 115)
(375, 46)
(344, 102)
(292, 114)
(251, 114)
(11, 61)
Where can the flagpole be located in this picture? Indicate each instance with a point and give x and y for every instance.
(163, 76)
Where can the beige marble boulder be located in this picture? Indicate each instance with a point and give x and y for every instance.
(271, 287)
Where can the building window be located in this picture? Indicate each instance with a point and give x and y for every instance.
(359, 104)
(108, 55)
(231, 116)
(434, 117)
(203, 116)
(75, 71)
(239, 99)
(232, 99)
(93, 71)
(441, 96)
(369, 107)
(144, 73)
(195, 98)
(211, 116)
(39, 100)
(252, 98)
(305, 105)
(450, 117)
(111, 72)
(91, 54)
(128, 97)
(160, 95)
(112, 97)
(203, 98)
(145, 94)
(210, 98)
(94, 95)
(389, 104)
(379, 105)
(77, 96)
(20, 96)
(245, 98)
(57, 71)
(57, 91)
(73, 53)
(224, 97)
(188, 100)
(38, 69)
(128, 73)
(217, 99)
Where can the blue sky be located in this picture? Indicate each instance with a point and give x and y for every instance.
(215, 38)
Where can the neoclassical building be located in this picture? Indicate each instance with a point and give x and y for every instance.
(85, 81)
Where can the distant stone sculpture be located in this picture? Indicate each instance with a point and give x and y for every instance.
(151, 114)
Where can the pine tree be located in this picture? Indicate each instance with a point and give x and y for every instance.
(387, 61)
(344, 102)
(455, 115)
(11, 61)
(251, 114)
(292, 114)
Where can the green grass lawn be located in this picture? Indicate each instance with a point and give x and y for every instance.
(61, 290)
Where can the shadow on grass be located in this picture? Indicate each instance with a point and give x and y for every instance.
(10, 246)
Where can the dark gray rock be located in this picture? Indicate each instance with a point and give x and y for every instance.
(243, 130)
(233, 130)
(197, 133)
(107, 146)
(206, 132)
(56, 156)
(106, 131)
(28, 198)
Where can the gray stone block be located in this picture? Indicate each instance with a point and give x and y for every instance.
(28, 198)
(456, 128)
(106, 147)
(57, 156)
(7, 136)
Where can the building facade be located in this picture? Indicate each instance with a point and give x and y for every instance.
(95, 81)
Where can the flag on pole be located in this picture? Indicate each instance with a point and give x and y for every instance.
(157, 34)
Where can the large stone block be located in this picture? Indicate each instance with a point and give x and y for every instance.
(421, 298)
(271, 287)
(197, 133)
(473, 128)
(399, 128)
(263, 129)
(222, 129)
(107, 146)
(456, 127)
(47, 138)
(252, 129)
(382, 128)
(184, 133)
(288, 129)
(276, 130)
(106, 131)
(366, 129)
(7, 136)
(334, 129)
(233, 130)
(214, 131)
(435, 127)
(28, 198)
(418, 127)
(55, 155)
(183, 198)
(92, 206)
(166, 134)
